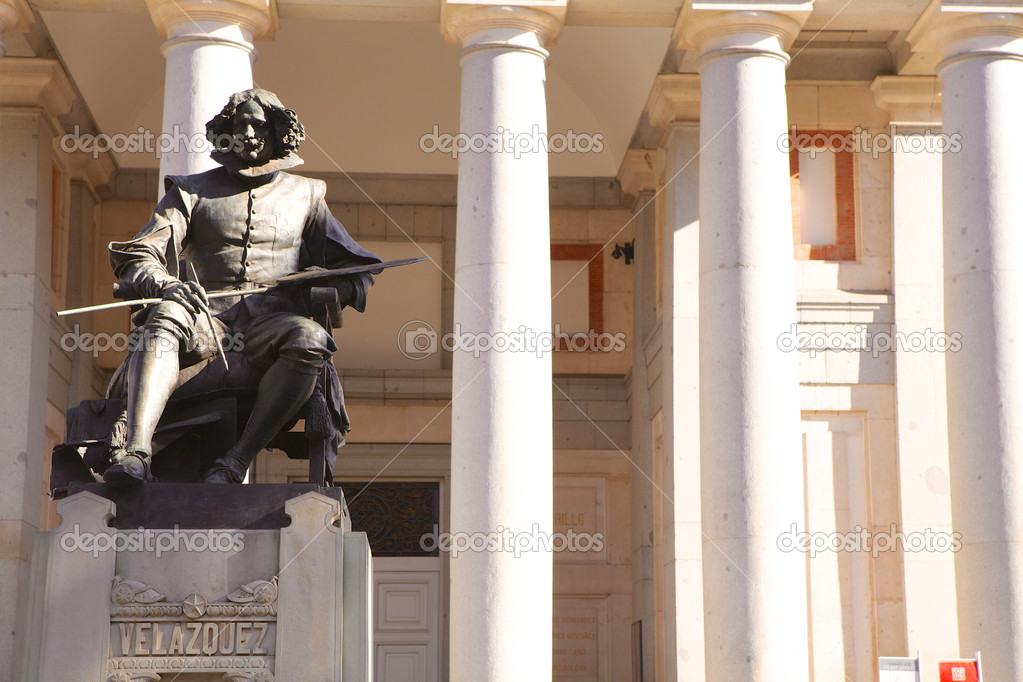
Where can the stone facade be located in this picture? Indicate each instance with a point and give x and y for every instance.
(798, 448)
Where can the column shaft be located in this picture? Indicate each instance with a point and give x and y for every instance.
(209, 56)
(751, 463)
(983, 253)
(501, 442)
(207, 62)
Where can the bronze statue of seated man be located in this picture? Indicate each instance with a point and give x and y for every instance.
(241, 226)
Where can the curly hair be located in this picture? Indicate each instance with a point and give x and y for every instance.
(288, 132)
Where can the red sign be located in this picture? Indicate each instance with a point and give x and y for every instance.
(958, 671)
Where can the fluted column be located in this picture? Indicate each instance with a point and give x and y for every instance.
(751, 462)
(982, 95)
(501, 438)
(15, 15)
(209, 54)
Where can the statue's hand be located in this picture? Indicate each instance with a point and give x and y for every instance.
(345, 288)
(190, 295)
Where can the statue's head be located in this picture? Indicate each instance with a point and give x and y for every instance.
(254, 133)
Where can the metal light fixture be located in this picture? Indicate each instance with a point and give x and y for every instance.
(626, 250)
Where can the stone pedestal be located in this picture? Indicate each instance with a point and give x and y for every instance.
(281, 590)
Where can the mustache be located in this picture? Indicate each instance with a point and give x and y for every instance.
(249, 141)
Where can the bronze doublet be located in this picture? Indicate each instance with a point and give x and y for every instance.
(248, 234)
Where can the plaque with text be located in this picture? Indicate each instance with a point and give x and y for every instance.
(236, 637)
(575, 643)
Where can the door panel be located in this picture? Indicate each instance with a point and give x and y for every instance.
(406, 619)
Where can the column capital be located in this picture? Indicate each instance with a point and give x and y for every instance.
(15, 15)
(641, 171)
(34, 82)
(257, 17)
(968, 28)
(909, 100)
(674, 97)
(709, 25)
(461, 18)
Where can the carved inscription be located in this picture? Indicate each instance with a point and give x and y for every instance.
(196, 638)
(575, 643)
(238, 635)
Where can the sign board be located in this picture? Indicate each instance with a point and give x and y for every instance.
(967, 670)
(892, 669)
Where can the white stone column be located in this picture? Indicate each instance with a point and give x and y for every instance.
(15, 15)
(209, 54)
(501, 438)
(982, 95)
(751, 461)
(923, 503)
(33, 92)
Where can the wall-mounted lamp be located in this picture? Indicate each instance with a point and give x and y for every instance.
(626, 250)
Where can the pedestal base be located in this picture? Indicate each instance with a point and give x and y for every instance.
(201, 583)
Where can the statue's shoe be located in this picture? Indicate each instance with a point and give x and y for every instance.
(221, 473)
(129, 468)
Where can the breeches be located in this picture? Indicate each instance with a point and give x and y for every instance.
(262, 338)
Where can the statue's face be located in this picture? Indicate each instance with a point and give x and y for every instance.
(253, 133)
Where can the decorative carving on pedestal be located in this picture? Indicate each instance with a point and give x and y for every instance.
(133, 677)
(258, 676)
(133, 592)
(259, 591)
(150, 635)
